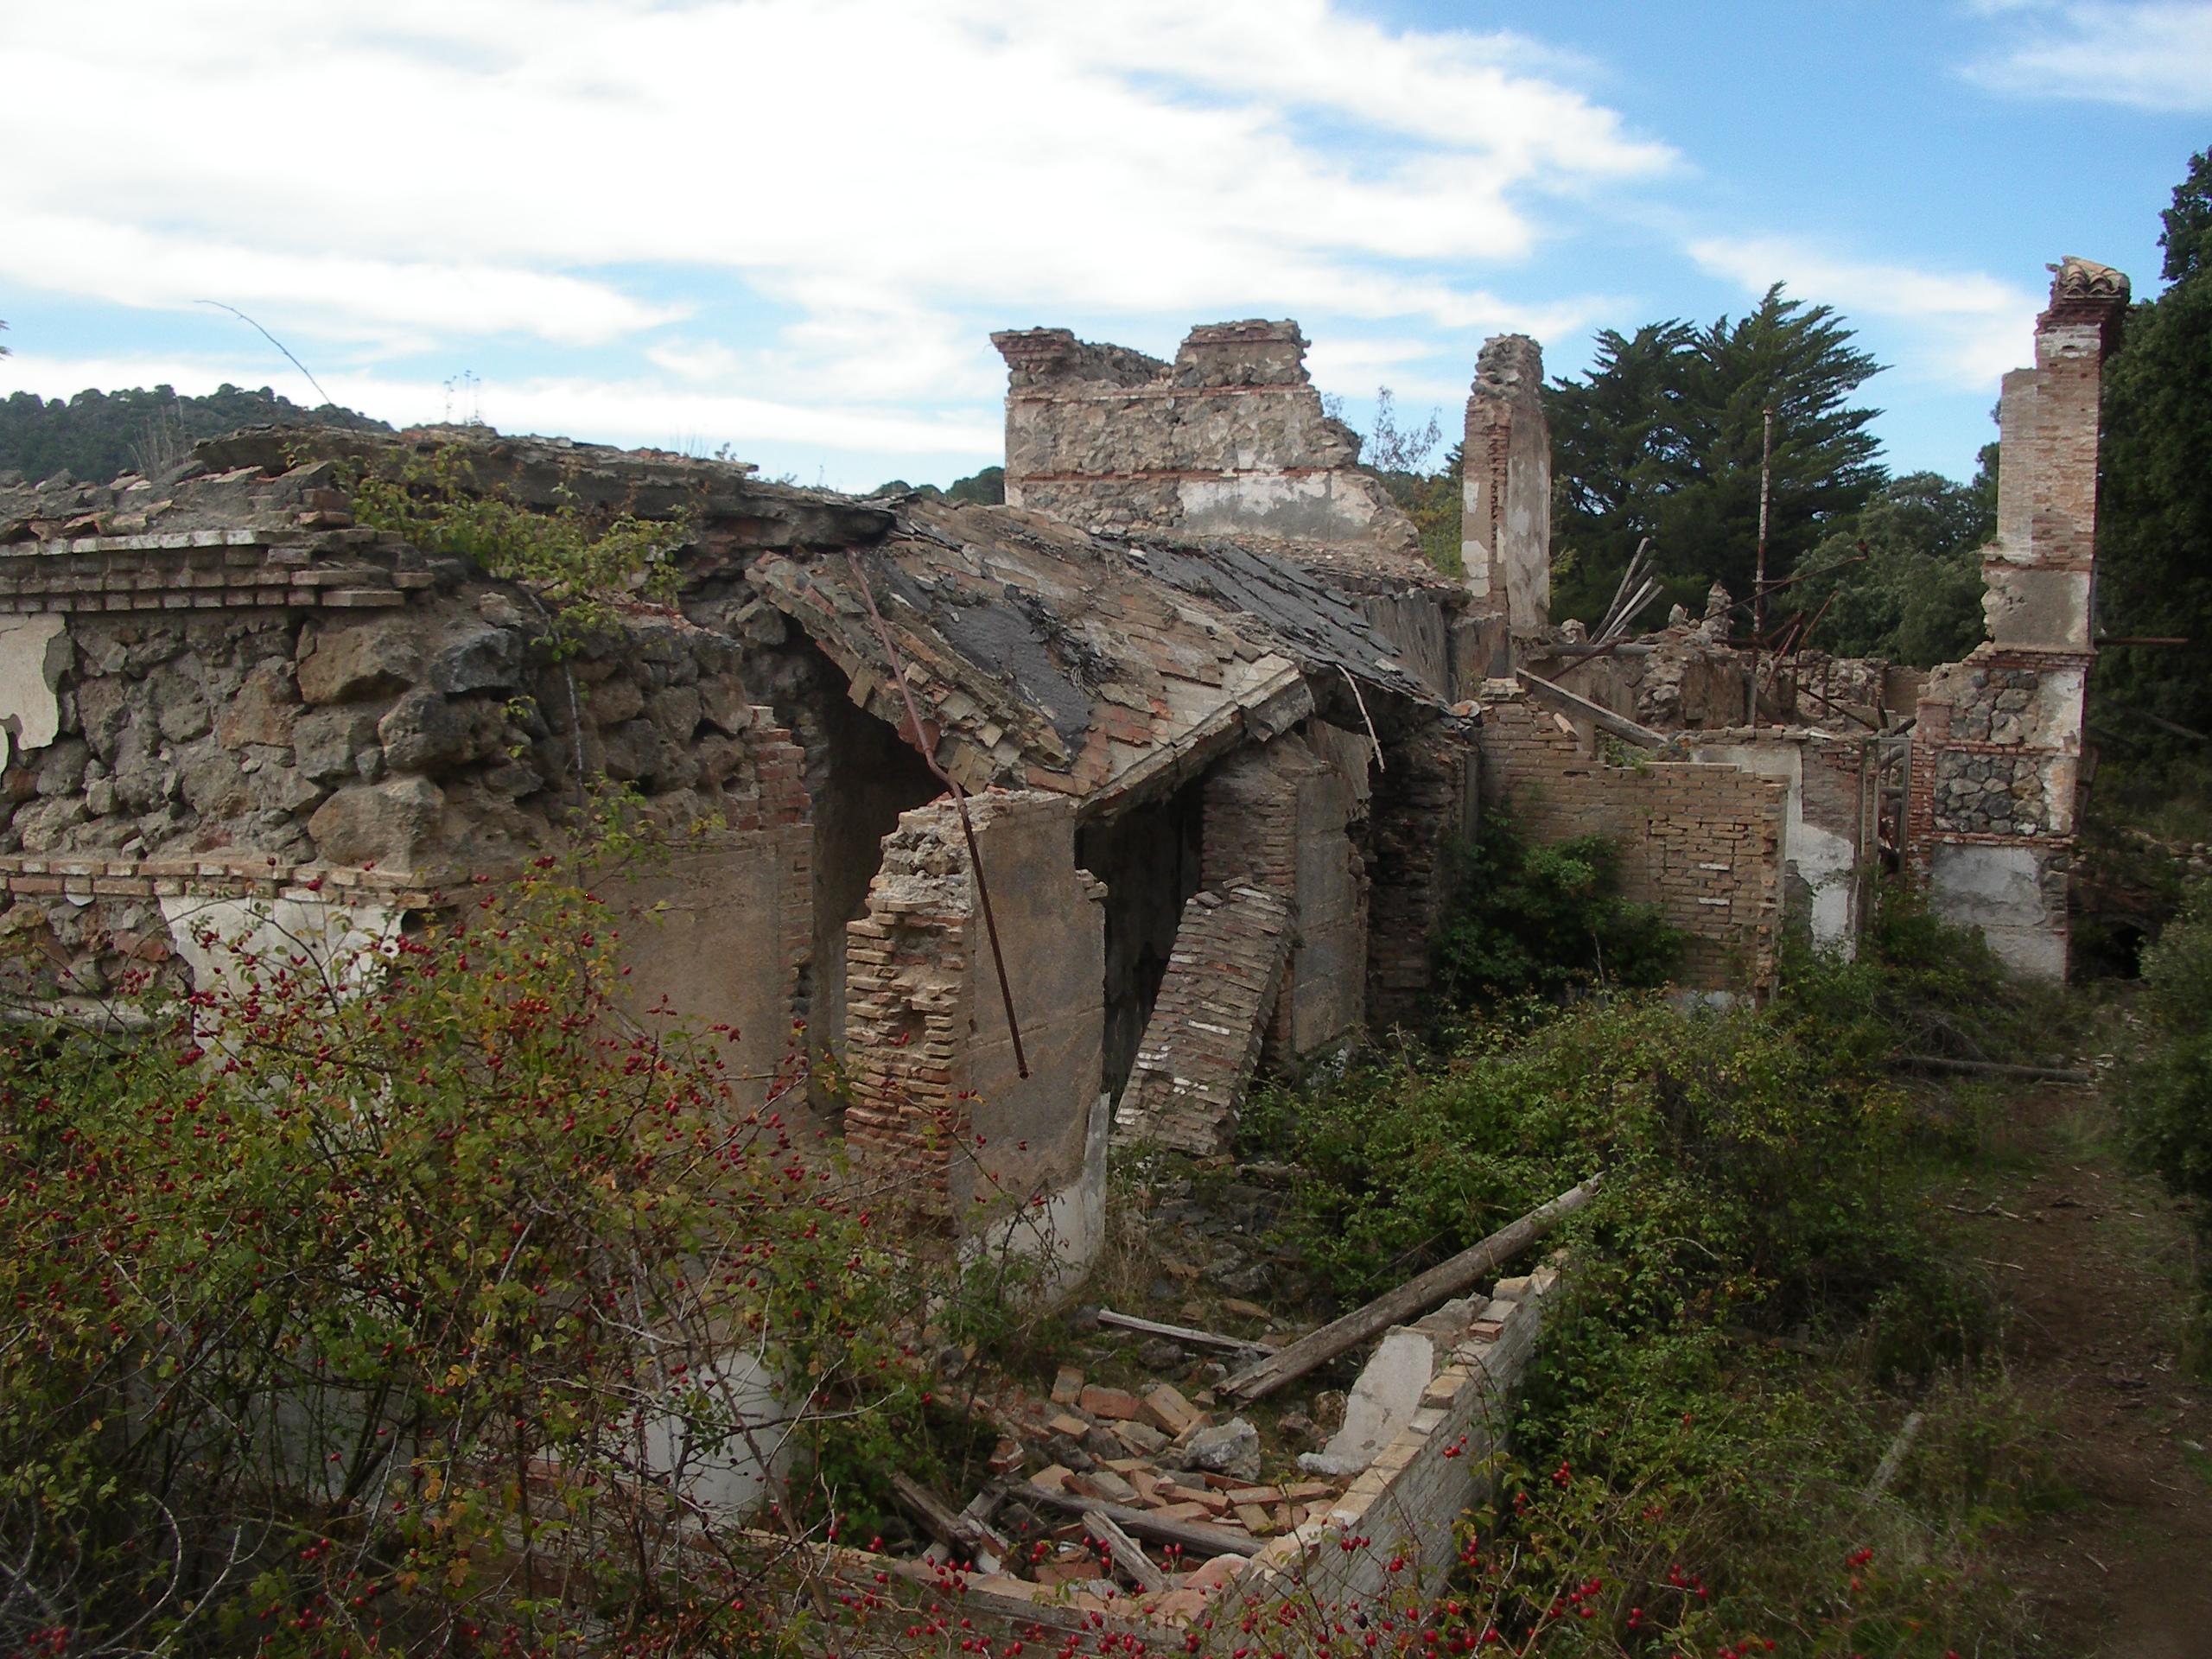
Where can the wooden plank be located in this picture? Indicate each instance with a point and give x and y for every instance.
(1128, 1554)
(1581, 708)
(1107, 1315)
(1205, 1541)
(1445, 1280)
(933, 1512)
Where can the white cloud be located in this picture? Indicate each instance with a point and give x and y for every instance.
(2148, 55)
(346, 294)
(1149, 155)
(1966, 327)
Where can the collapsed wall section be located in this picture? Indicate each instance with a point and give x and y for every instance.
(938, 1100)
(1996, 770)
(1229, 439)
(1702, 842)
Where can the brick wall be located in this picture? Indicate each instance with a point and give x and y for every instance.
(1229, 438)
(1418, 816)
(1203, 1042)
(937, 1094)
(1278, 815)
(1702, 842)
(1996, 768)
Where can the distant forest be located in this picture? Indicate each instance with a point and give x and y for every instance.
(96, 436)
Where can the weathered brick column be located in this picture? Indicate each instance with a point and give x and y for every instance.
(1506, 518)
(936, 1094)
(1997, 746)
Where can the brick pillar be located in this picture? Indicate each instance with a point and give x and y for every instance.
(1997, 744)
(937, 1095)
(1505, 520)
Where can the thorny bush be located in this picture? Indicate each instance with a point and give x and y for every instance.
(409, 1297)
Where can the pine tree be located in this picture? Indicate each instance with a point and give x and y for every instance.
(1663, 437)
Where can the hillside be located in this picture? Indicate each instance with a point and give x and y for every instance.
(98, 435)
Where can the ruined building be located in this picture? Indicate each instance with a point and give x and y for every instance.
(1218, 724)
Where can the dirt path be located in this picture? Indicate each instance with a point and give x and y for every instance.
(2094, 1261)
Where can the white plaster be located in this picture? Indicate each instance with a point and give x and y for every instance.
(346, 941)
(723, 1439)
(1057, 1239)
(34, 651)
(1382, 1402)
(1999, 892)
(1252, 498)
(1822, 859)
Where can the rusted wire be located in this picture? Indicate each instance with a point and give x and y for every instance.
(959, 801)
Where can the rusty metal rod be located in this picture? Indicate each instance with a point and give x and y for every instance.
(959, 801)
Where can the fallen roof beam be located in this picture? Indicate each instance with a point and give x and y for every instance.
(1211, 1541)
(1445, 1280)
(1581, 708)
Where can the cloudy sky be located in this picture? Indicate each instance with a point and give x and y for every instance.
(789, 225)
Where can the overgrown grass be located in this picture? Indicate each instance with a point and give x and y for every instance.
(1756, 1300)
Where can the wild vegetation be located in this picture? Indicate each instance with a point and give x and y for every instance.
(410, 1298)
(1758, 1300)
(579, 564)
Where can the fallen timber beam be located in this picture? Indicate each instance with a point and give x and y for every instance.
(1180, 1332)
(1445, 1280)
(1128, 1554)
(1208, 1541)
(1577, 707)
(1999, 1069)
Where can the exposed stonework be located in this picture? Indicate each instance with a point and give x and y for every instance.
(1506, 467)
(1229, 439)
(1997, 761)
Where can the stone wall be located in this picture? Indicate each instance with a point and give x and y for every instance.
(1997, 760)
(1506, 467)
(1702, 842)
(936, 1096)
(297, 723)
(1229, 439)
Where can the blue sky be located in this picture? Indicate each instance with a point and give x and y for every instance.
(789, 225)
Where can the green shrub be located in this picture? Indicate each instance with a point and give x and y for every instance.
(2165, 1103)
(580, 563)
(338, 1309)
(1917, 985)
(1544, 920)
